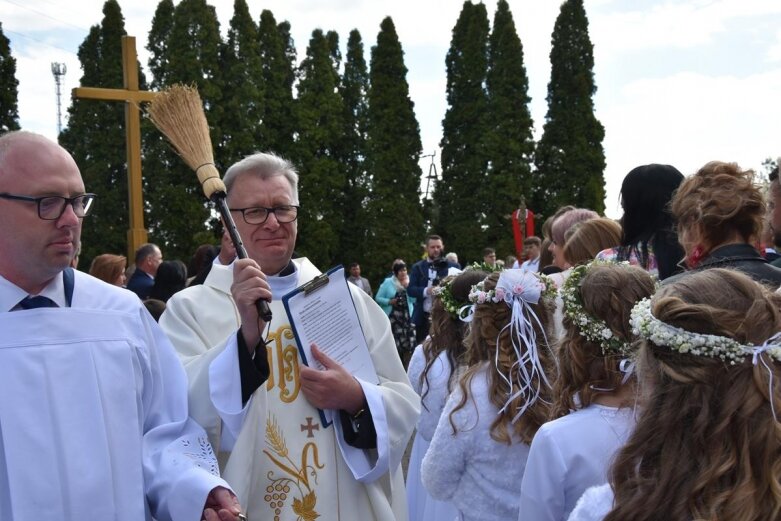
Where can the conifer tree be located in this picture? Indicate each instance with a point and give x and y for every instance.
(157, 44)
(243, 108)
(354, 89)
(9, 110)
(570, 160)
(95, 136)
(190, 55)
(278, 121)
(458, 197)
(394, 212)
(320, 114)
(509, 142)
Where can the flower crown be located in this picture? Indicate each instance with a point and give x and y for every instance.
(484, 266)
(445, 295)
(590, 327)
(526, 285)
(648, 327)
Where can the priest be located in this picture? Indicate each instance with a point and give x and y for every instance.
(257, 400)
(93, 400)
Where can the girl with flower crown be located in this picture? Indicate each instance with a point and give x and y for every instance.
(593, 395)
(433, 372)
(477, 455)
(707, 445)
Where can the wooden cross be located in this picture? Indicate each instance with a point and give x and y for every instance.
(310, 428)
(136, 235)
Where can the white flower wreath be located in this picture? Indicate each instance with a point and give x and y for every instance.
(590, 327)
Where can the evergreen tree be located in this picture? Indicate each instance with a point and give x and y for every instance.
(458, 197)
(320, 113)
(354, 89)
(395, 216)
(243, 108)
(278, 122)
(191, 55)
(95, 136)
(9, 111)
(570, 160)
(509, 142)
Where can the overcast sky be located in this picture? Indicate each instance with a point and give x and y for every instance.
(681, 82)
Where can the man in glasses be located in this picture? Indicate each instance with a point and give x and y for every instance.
(283, 462)
(93, 402)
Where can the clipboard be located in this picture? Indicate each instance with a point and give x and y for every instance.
(322, 311)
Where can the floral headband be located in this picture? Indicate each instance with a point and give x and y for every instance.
(590, 327)
(647, 326)
(525, 285)
(445, 294)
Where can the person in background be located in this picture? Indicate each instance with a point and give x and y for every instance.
(148, 259)
(720, 213)
(109, 268)
(354, 276)
(171, 278)
(531, 252)
(649, 239)
(774, 210)
(393, 299)
(93, 401)
(452, 258)
(489, 257)
(424, 277)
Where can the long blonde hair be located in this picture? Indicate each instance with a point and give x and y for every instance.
(488, 330)
(707, 446)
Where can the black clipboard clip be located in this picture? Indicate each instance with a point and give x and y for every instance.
(315, 284)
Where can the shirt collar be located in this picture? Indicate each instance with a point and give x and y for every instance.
(11, 294)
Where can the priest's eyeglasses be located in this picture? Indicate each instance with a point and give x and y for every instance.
(51, 207)
(259, 214)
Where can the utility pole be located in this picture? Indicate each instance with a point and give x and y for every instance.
(59, 70)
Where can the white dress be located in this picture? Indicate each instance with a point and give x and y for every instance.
(569, 455)
(93, 412)
(423, 507)
(594, 505)
(284, 463)
(480, 476)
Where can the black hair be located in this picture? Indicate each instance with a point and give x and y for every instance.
(645, 196)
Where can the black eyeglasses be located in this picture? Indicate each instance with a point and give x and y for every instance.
(51, 207)
(259, 214)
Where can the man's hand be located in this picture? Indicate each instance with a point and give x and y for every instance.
(331, 388)
(227, 249)
(249, 285)
(221, 505)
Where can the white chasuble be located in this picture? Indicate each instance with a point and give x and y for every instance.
(93, 415)
(283, 463)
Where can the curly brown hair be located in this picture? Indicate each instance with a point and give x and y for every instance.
(608, 293)
(447, 332)
(707, 446)
(488, 329)
(720, 200)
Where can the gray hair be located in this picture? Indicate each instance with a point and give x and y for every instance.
(264, 165)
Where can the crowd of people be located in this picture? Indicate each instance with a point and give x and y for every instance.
(611, 369)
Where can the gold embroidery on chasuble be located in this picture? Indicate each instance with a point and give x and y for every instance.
(291, 478)
(283, 362)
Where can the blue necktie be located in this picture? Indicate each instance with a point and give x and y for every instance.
(37, 302)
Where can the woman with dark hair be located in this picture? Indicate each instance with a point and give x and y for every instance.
(649, 239)
(171, 277)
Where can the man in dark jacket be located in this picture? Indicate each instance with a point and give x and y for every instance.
(423, 277)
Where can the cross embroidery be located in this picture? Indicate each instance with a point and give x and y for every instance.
(309, 427)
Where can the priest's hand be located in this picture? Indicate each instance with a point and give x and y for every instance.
(332, 387)
(249, 286)
(221, 505)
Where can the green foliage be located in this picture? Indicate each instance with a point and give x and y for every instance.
(319, 147)
(354, 88)
(95, 136)
(277, 118)
(570, 160)
(394, 213)
(243, 79)
(509, 142)
(9, 111)
(458, 196)
(190, 54)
